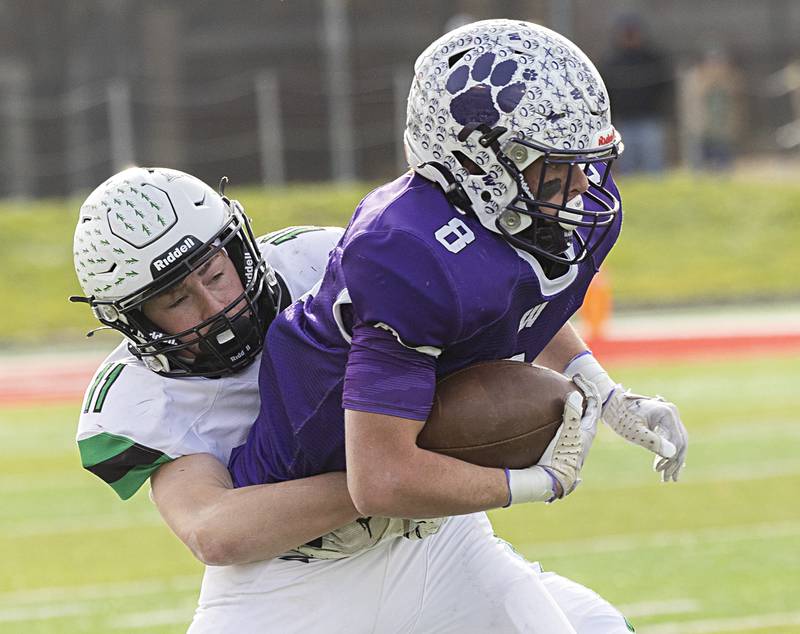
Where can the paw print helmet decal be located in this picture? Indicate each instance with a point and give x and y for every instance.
(146, 229)
(490, 99)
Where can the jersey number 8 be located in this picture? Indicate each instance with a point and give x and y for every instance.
(455, 235)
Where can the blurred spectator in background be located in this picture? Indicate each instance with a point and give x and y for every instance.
(786, 82)
(713, 110)
(639, 81)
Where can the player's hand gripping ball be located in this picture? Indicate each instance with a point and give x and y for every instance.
(497, 413)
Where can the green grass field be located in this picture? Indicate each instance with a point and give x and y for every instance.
(684, 240)
(719, 552)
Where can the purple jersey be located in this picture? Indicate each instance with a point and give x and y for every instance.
(413, 291)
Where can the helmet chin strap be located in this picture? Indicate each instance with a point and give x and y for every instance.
(454, 190)
(230, 343)
(551, 236)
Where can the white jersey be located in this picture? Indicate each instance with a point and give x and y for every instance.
(134, 420)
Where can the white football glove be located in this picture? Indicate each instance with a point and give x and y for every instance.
(650, 422)
(556, 473)
(592, 413)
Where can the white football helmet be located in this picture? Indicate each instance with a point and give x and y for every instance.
(146, 229)
(490, 98)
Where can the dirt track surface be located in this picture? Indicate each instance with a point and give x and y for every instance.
(43, 377)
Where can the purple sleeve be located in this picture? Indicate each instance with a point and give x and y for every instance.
(385, 377)
(394, 278)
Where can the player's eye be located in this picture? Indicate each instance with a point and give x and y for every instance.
(177, 301)
(217, 276)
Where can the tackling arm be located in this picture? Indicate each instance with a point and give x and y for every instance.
(223, 526)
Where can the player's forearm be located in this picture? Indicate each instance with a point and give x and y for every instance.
(264, 521)
(561, 349)
(388, 475)
(222, 525)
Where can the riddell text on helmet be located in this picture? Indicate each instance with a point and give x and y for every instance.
(174, 254)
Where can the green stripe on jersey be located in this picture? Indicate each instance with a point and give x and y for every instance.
(100, 376)
(107, 383)
(284, 235)
(130, 483)
(273, 235)
(120, 462)
(102, 447)
(105, 379)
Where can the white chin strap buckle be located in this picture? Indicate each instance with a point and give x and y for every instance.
(225, 336)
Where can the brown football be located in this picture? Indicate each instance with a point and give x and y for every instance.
(496, 413)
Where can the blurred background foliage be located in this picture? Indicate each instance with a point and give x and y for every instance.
(685, 240)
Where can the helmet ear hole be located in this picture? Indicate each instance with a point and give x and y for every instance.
(468, 164)
(453, 59)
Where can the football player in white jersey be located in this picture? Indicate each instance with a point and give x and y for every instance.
(159, 253)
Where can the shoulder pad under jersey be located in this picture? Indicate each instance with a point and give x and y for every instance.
(299, 254)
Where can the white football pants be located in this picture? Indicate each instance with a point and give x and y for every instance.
(461, 580)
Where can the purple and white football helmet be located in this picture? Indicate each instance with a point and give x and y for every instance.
(490, 98)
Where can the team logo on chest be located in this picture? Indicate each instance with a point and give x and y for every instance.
(530, 316)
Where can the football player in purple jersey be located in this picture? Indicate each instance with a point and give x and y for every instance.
(483, 250)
